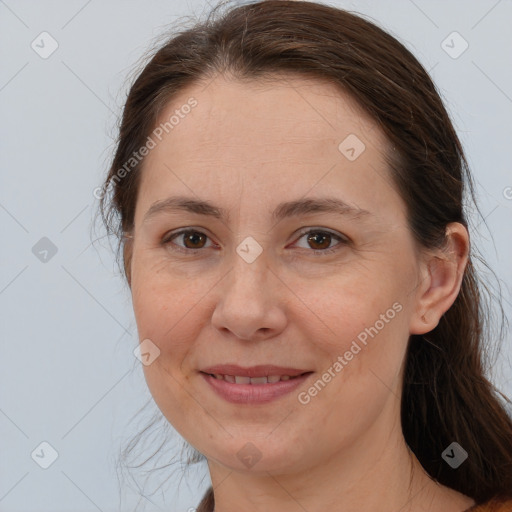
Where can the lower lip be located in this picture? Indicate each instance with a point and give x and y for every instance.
(253, 393)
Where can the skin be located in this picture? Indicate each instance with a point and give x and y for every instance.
(246, 147)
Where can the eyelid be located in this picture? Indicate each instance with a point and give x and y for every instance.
(317, 229)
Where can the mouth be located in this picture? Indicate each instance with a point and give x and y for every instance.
(257, 384)
(240, 379)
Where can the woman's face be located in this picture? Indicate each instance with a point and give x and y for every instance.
(276, 272)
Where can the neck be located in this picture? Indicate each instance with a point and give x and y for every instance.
(376, 472)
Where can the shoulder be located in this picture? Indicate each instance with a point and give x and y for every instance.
(493, 505)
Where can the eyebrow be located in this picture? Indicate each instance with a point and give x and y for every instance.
(282, 211)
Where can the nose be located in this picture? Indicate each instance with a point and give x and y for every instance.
(249, 301)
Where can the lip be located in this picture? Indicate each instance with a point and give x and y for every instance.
(253, 393)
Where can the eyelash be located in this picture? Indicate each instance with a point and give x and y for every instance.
(317, 252)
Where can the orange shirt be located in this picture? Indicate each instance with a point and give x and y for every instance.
(493, 505)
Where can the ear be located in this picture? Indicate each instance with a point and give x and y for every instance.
(127, 257)
(442, 273)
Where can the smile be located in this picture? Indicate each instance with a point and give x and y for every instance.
(241, 389)
(238, 379)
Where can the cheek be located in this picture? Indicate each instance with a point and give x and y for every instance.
(365, 348)
(163, 302)
(168, 318)
(163, 316)
(363, 340)
(346, 305)
(360, 325)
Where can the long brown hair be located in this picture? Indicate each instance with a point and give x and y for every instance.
(446, 396)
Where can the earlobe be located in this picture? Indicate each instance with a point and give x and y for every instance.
(445, 271)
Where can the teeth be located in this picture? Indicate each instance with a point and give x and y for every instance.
(259, 380)
(252, 380)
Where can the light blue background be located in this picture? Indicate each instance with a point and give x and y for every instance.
(67, 372)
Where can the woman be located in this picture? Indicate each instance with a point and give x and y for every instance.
(289, 189)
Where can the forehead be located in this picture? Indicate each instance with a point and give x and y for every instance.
(289, 133)
(272, 111)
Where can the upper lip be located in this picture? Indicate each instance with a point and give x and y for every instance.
(263, 370)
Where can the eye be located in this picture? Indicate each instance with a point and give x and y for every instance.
(192, 239)
(322, 239)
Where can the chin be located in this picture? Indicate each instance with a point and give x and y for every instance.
(253, 455)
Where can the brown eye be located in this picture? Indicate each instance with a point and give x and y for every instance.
(316, 239)
(195, 239)
(190, 240)
(320, 241)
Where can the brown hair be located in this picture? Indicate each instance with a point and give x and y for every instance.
(446, 396)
